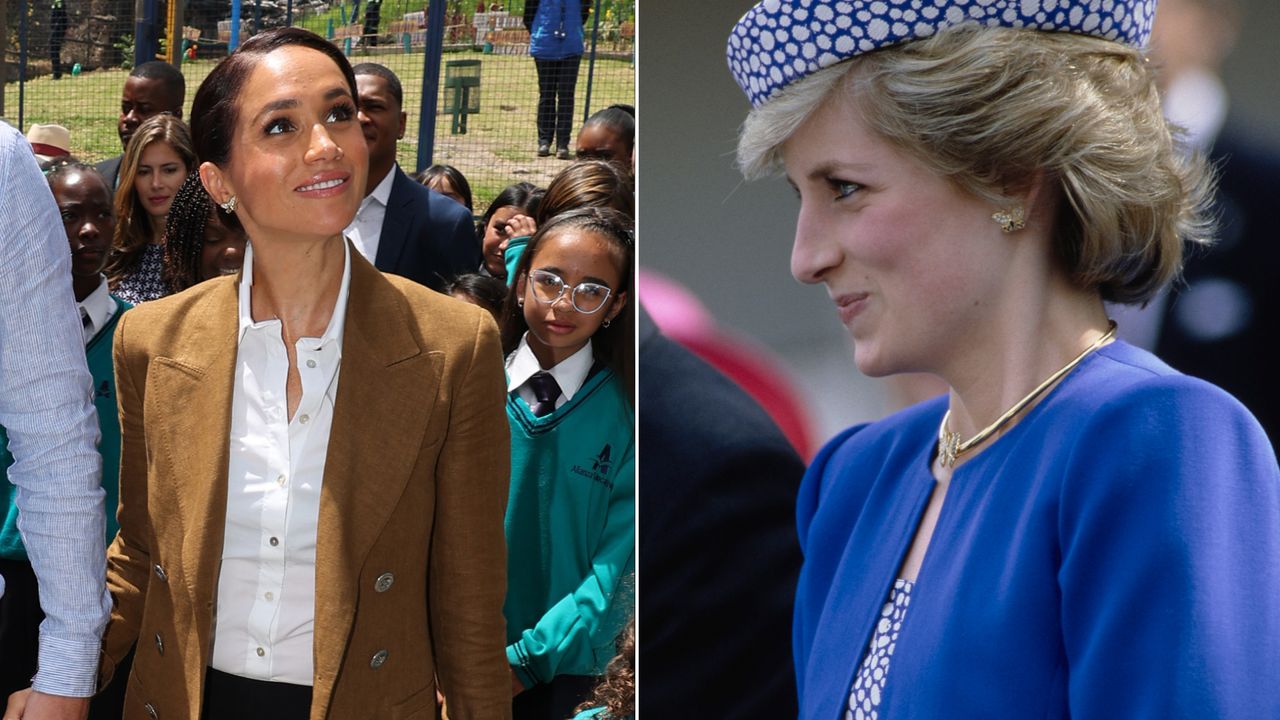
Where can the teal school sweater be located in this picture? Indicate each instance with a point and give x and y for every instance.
(98, 354)
(570, 527)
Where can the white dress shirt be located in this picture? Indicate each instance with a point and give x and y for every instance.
(46, 407)
(265, 615)
(569, 373)
(99, 308)
(366, 229)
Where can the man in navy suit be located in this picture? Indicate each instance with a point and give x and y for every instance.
(403, 227)
(718, 549)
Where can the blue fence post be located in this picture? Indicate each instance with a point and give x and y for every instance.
(430, 83)
(145, 47)
(591, 64)
(235, 27)
(288, 14)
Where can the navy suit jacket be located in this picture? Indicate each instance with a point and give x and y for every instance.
(426, 236)
(718, 548)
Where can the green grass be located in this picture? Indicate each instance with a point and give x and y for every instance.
(497, 150)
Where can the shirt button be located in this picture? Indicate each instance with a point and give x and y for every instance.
(274, 541)
(384, 581)
(280, 480)
(304, 419)
(270, 595)
(261, 652)
(311, 363)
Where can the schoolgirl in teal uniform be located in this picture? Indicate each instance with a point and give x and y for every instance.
(570, 520)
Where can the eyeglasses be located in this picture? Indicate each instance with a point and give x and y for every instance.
(586, 298)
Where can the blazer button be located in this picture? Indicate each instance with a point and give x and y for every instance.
(379, 658)
(160, 573)
(151, 711)
(384, 581)
(159, 644)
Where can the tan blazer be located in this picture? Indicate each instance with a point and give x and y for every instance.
(410, 556)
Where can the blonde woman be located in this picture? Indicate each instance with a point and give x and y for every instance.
(156, 161)
(1074, 529)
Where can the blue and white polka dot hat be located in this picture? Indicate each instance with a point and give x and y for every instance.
(780, 41)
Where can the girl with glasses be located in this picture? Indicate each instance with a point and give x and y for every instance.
(570, 517)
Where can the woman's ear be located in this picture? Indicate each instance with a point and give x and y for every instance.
(520, 286)
(619, 302)
(215, 183)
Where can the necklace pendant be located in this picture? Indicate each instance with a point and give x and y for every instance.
(948, 448)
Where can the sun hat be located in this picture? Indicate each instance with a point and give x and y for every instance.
(49, 141)
(780, 41)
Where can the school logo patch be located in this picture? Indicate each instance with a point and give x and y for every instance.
(600, 464)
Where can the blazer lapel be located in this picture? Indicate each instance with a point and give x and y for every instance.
(387, 387)
(193, 390)
(395, 225)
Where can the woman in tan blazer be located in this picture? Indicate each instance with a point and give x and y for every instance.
(379, 401)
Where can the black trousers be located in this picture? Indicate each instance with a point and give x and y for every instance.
(554, 700)
(231, 697)
(20, 618)
(556, 82)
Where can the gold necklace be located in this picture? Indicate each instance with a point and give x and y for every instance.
(949, 446)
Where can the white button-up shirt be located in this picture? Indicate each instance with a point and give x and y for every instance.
(569, 373)
(366, 229)
(266, 592)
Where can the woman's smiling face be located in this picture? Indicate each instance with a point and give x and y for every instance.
(298, 161)
(909, 259)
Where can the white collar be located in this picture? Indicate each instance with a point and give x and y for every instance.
(569, 373)
(382, 193)
(99, 306)
(337, 320)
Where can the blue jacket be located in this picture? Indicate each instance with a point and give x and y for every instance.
(555, 28)
(1116, 554)
(426, 237)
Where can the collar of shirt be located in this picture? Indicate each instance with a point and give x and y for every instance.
(99, 307)
(382, 193)
(337, 321)
(365, 229)
(569, 373)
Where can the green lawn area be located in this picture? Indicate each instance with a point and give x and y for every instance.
(497, 150)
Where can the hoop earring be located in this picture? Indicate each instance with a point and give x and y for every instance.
(229, 206)
(1011, 219)
(606, 323)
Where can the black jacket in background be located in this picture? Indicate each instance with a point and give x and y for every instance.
(717, 544)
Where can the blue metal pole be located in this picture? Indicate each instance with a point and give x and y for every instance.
(430, 83)
(591, 64)
(22, 66)
(288, 14)
(257, 16)
(144, 33)
(235, 26)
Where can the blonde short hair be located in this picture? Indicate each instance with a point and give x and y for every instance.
(991, 108)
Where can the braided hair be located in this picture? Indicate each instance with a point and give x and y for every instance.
(184, 232)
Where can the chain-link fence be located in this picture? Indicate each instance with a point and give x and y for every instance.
(65, 62)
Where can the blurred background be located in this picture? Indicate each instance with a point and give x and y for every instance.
(728, 242)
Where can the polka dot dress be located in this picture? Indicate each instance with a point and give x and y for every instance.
(147, 280)
(868, 684)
